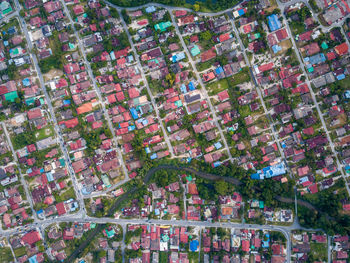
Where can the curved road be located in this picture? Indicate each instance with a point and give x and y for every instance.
(204, 175)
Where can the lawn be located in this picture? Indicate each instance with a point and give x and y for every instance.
(20, 251)
(319, 251)
(217, 86)
(68, 194)
(44, 133)
(5, 254)
(241, 77)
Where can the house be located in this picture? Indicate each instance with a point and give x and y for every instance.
(31, 238)
(208, 55)
(342, 49)
(274, 23)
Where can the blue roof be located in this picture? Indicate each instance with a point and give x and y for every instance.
(191, 86)
(341, 76)
(150, 9)
(194, 245)
(219, 70)
(153, 156)
(26, 82)
(217, 163)
(316, 59)
(85, 191)
(276, 48)
(274, 23)
(270, 171)
(218, 145)
(134, 113)
(66, 102)
(178, 57)
(49, 177)
(241, 12)
(183, 88)
(347, 94)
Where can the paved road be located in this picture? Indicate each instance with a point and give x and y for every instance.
(23, 181)
(165, 135)
(204, 91)
(51, 110)
(98, 92)
(313, 96)
(257, 88)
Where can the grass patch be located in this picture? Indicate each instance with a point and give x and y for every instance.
(5, 254)
(201, 66)
(21, 251)
(319, 251)
(44, 133)
(217, 86)
(68, 194)
(241, 77)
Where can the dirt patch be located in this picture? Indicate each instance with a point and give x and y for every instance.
(52, 74)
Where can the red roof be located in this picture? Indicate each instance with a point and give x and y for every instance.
(281, 34)
(111, 99)
(208, 55)
(305, 36)
(330, 55)
(97, 124)
(194, 39)
(3, 90)
(78, 9)
(313, 189)
(341, 49)
(31, 148)
(133, 93)
(245, 245)
(71, 123)
(61, 210)
(31, 238)
(265, 67)
(309, 131)
(34, 114)
(224, 37)
(223, 95)
(120, 96)
(180, 13)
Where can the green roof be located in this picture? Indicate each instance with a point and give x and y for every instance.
(5, 7)
(324, 45)
(110, 233)
(105, 181)
(162, 26)
(11, 96)
(62, 162)
(261, 204)
(30, 101)
(178, 103)
(311, 69)
(195, 51)
(92, 225)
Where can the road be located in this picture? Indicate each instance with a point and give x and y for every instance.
(81, 215)
(51, 110)
(98, 92)
(313, 96)
(166, 138)
(204, 91)
(23, 181)
(257, 88)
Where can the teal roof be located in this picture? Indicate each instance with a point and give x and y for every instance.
(195, 51)
(162, 26)
(11, 96)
